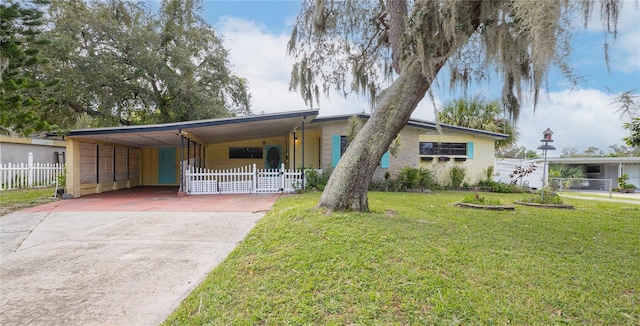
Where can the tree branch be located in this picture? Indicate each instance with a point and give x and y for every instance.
(397, 25)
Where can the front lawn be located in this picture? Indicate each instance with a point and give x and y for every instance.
(13, 200)
(419, 260)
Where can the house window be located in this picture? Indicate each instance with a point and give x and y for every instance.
(433, 148)
(595, 169)
(339, 146)
(343, 144)
(245, 152)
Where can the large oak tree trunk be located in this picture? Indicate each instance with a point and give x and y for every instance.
(347, 187)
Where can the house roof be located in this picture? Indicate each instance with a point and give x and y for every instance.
(422, 124)
(592, 160)
(226, 129)
(233, 129)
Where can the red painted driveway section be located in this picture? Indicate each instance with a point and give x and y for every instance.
(163, 199)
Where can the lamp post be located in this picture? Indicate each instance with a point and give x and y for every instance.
(546, 139)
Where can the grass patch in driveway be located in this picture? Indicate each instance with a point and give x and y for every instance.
(419, 260)
(14, 200)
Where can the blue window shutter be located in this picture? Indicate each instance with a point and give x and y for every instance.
(384, 161)
(470, 150)
(335, 150)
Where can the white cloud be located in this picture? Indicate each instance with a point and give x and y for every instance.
(578, 118)
(624, 50)
(260, 56)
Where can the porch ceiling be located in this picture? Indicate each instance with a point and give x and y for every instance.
(208, 131)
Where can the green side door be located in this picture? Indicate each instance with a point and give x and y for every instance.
(167, 166)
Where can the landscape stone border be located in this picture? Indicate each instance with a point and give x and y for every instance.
(486, 207)
(558, 206)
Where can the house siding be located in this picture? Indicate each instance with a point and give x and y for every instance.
(408, 155)
(217, 155)
(311, 148)
(483, 157)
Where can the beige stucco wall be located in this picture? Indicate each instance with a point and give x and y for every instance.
(483, 156)
(408, 155)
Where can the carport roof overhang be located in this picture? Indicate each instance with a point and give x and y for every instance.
(207, 131)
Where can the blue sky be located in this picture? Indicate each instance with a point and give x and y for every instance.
(256, 32)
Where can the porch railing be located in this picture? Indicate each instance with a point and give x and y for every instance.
(243, 180)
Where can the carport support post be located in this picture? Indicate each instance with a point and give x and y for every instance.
(181, 160)
(73, 168)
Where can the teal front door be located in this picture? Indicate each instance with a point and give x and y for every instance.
(273, 157)
(167, 166)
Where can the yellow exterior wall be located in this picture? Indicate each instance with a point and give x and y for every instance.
(217, 155)
(409, 155)
(81, 159)
(483, 156)
(311, 148)
(149, 166)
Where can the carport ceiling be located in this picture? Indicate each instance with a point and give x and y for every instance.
(209, 131)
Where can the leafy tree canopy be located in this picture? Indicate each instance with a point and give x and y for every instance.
(124, 64)
(612, 151)
(479, 113)
(516, 152)
(21, 26)
(634, 128)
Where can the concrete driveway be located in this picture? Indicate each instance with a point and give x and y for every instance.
(120, 258)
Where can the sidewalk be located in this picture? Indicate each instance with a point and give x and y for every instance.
(633, 198)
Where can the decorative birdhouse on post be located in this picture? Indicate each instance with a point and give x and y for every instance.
(546, 135)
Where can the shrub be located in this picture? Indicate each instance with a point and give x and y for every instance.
(489, 173)
(500, 187)
(548, 197)
(457, 174)
(480, 200)
(316, 180)
(415, 178)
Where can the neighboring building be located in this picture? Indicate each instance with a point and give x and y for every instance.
(603, 169)
(105, 159)
(16, 150)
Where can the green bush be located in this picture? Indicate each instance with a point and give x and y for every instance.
(480, 200)
(316, 180)
(457, 174)
(500, 187)
(415, 178)
(548, 197)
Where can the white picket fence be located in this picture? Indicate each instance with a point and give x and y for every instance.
(243, 180)
(16, 176)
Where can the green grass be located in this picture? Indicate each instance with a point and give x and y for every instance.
(615, 195)
(13, 200)
(419, 260)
